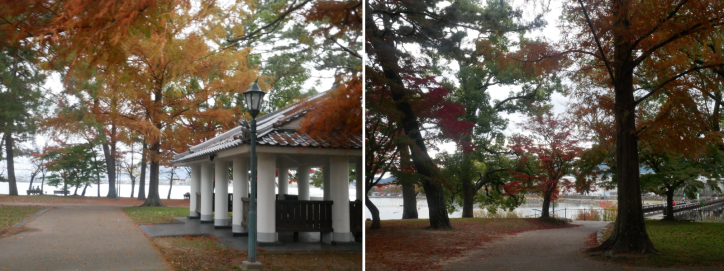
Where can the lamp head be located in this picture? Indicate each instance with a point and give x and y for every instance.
(254, 96)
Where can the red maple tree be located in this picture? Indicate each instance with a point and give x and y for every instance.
(545, 156)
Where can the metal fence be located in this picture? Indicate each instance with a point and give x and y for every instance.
(585, 214)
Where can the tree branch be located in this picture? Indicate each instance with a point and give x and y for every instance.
(258, 32)
(498, 106)
(660, 86)
(598, 43)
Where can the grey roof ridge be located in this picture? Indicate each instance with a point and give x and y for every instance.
(217, 138)
(267, 121)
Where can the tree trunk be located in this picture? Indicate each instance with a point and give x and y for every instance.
(432, 180)
(10, 163)
(669, 205)
(84, 188)
(32, 177)
(468, 197)
(153, 198)
(130, 173)
(170, 184)
(133, 186)
(98, 174)
(42, 182)
(375, 213)
(75, 191)
(142, 181)
(110, 168)
(409, 199)
(629, 233)
(545, 213)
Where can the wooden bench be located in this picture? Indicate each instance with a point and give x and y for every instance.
(61, 192)
(35, 192)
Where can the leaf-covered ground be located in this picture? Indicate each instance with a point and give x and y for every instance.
(680, 244)
(409, 245)
(204, 253)
(51, 200)
(9, 215)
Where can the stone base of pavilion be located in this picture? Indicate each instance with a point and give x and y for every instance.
(308, 241)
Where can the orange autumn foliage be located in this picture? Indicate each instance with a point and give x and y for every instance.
(71, 28)
(341, 112)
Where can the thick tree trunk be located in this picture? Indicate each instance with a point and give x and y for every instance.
(10, 164)
(629, 233)
(544, 212)
(375, 213)
(142, 182)
(153, 198)
(75, 191)
(42, 181)
(409, 201)
(669, 205)
(432, 179)
(468, 197)
(84, 188)
(111, 169)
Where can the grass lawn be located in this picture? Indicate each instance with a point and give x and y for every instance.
(680, 244)
(50, 200)
(41, 199)
(409, 245)
(9, 215)
(203, 253)
(151, 215)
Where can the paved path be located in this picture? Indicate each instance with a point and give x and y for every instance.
(557, 249)
(80, 238)
(308, 241)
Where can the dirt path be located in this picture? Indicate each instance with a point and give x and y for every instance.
(80, 238)
(556, 249)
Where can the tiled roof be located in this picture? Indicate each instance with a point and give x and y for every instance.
(270, 132)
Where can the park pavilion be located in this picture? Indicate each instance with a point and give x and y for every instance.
(279, 148)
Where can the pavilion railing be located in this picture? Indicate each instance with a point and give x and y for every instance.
(303, 216)
(229, 202)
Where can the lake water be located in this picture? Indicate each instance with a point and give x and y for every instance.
(391, 208)
(177, 192)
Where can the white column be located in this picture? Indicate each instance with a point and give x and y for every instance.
(339, 189)
(283, 180)
(266, 222)
(358, 179)
(241, 190)
(303, 182)
(195, 180)
(325, 175)
(207, 192)
(221, 212)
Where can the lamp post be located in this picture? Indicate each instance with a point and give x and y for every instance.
(254, 96)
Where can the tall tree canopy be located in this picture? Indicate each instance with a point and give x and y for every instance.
(616, 40)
